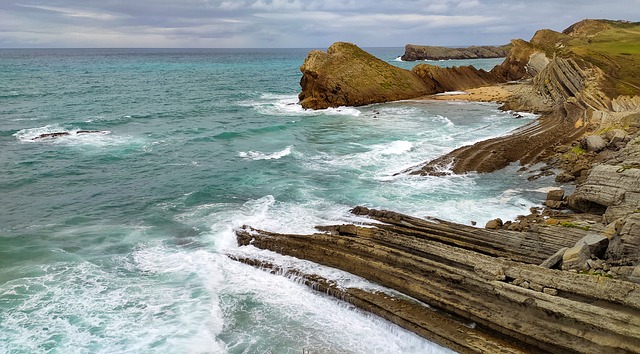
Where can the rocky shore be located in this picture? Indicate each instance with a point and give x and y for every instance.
(563, 279)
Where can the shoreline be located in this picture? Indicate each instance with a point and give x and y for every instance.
(566, 277)
(493, 93)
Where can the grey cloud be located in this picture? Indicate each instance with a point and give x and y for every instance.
(289, 23)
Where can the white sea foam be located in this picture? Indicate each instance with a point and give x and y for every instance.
(287, 105)
(257, 155)
(100, 309)
(398, 58)
(73, 136)
(320, 322)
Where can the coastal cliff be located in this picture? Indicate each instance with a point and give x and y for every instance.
(348, 76)
(414, 52)
(565, 278)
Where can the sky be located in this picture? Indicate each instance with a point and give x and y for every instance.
(289, 23)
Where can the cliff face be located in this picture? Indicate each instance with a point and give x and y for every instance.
(348, 76)
(439, 79)
(420, 52)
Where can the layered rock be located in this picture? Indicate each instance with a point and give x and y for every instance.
(613, 190)
(439, 79)
(348, 76)
(414, 52)
(513, 306)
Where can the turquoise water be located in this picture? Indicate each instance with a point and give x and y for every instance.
(116, 241)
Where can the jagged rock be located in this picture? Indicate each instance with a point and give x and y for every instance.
(439, 79)
(494, 224)
(615, 136)
(424, 259)
(553, 261)
(594, 143)
(514, 66)
(564, 177)
(348, 76)
(576, 257)
(555, 195)
(625, 104)
(414, 52)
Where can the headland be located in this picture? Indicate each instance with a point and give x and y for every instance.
(565, 278)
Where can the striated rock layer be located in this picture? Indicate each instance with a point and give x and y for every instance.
(473, 294)
(348, 76)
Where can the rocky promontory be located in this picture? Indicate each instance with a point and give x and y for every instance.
(414, 52)
(564, 279)
(348, 76)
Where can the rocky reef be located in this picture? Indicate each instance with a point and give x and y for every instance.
(564, 279)
(414, 52)
(472, 290)
(348, 76)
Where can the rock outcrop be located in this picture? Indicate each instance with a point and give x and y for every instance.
(348, 76)
(613, 190)
(414, 52)
(472, 294)
(576, 86)
(439, 79)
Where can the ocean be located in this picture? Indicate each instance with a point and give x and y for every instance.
(116, 241)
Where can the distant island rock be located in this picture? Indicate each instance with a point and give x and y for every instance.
(414, 52)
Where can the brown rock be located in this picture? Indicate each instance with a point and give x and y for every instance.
(556, 194)
(494, 224)
(348, 76)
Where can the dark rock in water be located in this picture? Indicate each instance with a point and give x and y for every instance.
(594, 143)
(439, 79)
(60, 134)
(494, 224)
(51, 135)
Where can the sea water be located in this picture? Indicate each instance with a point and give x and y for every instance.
(117, 241)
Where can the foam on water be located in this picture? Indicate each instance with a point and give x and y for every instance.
(138, 302)
(288, 105)
(283, 313)
(257, 155)
(72, 137)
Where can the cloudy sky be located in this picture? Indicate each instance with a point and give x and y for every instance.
(289, 23)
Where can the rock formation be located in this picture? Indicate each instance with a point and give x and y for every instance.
(414, 52)
(439, 79)
(572, 86)
(476, 290)
(348, 76)
(552, 281)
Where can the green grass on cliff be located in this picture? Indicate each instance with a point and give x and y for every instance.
(615, 50)
(613, 46)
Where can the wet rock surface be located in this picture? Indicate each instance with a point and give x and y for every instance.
(468, 275)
